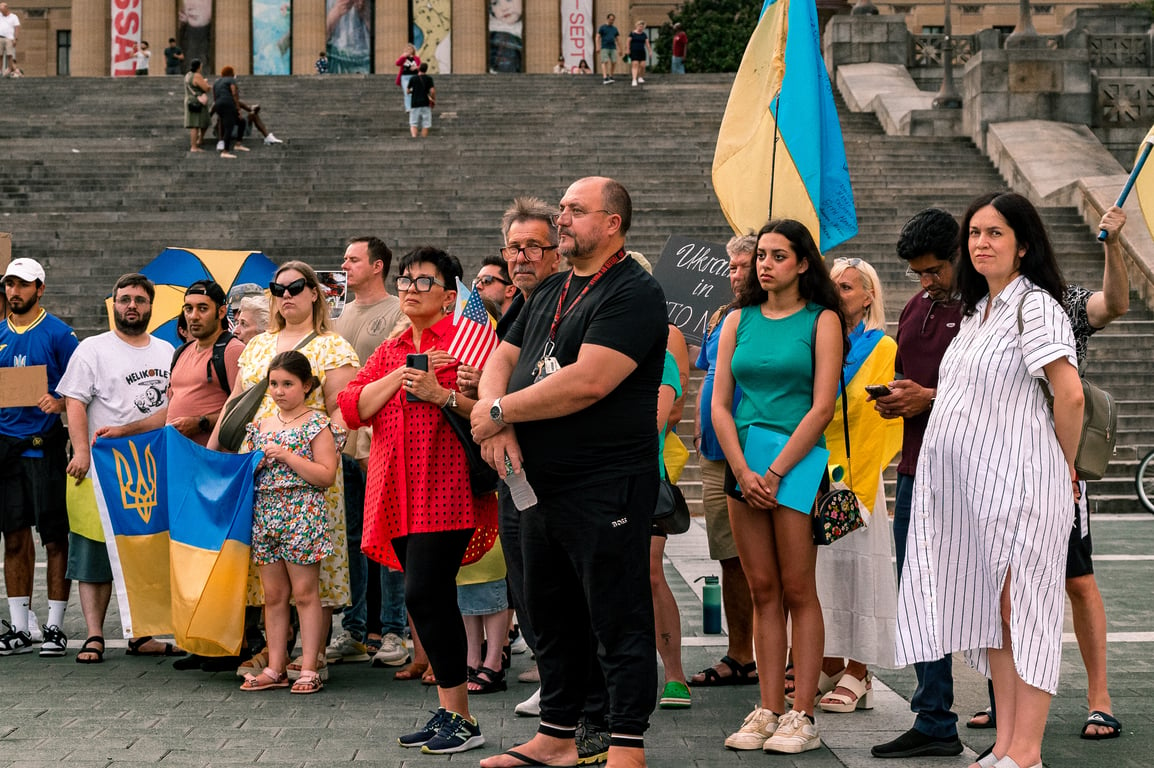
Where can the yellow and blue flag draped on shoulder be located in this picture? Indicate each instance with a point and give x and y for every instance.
(779, 150)
(178, 522)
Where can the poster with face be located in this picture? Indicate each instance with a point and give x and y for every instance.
(195, 33)
(349, 36)
(272, 37)
(125, 36)
(432, 22)
(506, 35)
(577, 33)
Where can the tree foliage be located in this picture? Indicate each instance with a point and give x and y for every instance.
(718, 31)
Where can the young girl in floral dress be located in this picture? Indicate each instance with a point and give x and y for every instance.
(289, 534)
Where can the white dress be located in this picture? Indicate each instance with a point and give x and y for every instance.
(992, 496)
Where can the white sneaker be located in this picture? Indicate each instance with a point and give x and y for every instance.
(759, 725)
(34, 630)
(641, 79)
(55, 642)
(393, 652)
(519, 646)
(795, 733)
(346, 648)
(530, 707)
(220, 146)
(634, 83)
(272, 139)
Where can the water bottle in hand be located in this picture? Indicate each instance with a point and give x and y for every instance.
(519, 489)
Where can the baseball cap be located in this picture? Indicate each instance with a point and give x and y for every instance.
(28, 270)
(209, 288)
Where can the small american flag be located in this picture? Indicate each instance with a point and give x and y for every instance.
(475, 339)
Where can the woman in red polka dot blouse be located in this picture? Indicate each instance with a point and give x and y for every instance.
(420, 512)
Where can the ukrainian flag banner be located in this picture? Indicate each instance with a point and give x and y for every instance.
(779, 150)
(177, 519)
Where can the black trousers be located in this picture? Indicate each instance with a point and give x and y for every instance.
(586, 555)
(431, 562)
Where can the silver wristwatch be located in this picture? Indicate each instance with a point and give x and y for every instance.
(496, 414)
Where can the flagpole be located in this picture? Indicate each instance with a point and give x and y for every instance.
(1141, 161)
(773, 161)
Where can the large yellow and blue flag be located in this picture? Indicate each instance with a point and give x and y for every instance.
(779, 150)
(177, 519)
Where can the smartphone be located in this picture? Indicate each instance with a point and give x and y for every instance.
(421, 363)
(878, 390)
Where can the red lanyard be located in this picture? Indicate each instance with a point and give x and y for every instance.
(558, 316)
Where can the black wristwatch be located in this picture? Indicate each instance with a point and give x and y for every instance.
(204, 424)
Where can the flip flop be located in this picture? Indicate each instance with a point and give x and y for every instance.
(529, 762)
(741, 674)
(411, 671)
(88, 647)
(134, 647)
(980, 725)
(1105, 720)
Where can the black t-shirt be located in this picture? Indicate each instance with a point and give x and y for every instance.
(170, 54)
(420, 86)
(617, 435)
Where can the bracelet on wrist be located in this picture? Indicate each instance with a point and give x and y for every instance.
(775, 474)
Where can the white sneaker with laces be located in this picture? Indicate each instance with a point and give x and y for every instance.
(393, 652)
(55, 642)
(272, 139)
(530, 707)
(758, 727)
(346, 648)
(795, 733)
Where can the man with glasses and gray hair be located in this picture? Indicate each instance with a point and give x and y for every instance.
(568, 401)
(113, 379)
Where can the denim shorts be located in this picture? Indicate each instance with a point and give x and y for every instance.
(421, 117)
(482, 599)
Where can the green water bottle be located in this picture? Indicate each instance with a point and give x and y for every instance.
(710, 605)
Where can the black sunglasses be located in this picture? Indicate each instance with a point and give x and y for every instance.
(292, 289)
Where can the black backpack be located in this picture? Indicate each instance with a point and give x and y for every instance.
(216, 363)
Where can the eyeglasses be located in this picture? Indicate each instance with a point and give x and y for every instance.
(934, 274)
(532, 252)
(423, 284)
(292, 289)
(486, 280)
(127, 301)
(575, 213)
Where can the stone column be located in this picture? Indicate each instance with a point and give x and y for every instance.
(470, 36)
(90, 38)
(232, 31)
(158, 23)
(542, 35)
(308, 34)
(392, 32)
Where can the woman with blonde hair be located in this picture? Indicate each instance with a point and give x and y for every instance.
(855, 575)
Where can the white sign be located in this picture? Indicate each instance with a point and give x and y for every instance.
(125, 36)
(577, 33)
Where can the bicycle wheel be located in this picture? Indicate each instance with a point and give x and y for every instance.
(1144, 482)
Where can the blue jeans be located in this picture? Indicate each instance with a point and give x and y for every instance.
(393, 618)
(933, 700)
(676, 65)
(353, 617)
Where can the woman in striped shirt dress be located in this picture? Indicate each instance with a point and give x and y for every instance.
(985, 562)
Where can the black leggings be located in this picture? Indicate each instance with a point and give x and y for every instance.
(431, 562)
(228, 117)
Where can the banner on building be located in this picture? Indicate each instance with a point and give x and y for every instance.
(125, 36)
(577, 33)
(506, 36)
(272, 37)
(195, 33)
(432, 22)
(349, 36)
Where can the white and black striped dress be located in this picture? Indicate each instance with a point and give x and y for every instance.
(992, 495)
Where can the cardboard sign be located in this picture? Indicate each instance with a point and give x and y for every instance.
(23, 386)
(694, 274)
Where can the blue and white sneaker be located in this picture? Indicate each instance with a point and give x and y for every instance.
(421, 737)
(456, 734)
(13, 642)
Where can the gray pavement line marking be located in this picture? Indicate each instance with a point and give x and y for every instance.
(1114, 637)
(1128, 517)
(705, 642)
(1121, 558)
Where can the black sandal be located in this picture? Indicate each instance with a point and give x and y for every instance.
(742, 674)
(89, 647)
(134, 647)
(492, 681)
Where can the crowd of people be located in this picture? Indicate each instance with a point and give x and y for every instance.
(372, 499)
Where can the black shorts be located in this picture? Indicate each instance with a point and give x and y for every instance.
(1078, 560)
(32, 489)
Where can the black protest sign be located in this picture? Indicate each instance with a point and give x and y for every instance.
(694, 274)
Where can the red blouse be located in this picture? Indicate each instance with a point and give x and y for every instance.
(418, 474)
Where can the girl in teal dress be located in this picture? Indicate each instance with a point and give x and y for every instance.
(789, 385)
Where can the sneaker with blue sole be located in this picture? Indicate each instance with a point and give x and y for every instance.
(428, 731)
(456, 734)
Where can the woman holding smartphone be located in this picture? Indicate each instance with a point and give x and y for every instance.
(784, 348)
(420, 512)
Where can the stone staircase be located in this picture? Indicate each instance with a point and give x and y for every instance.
(96, 179)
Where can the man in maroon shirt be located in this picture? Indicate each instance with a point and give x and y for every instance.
(928, 323)
(680, 44)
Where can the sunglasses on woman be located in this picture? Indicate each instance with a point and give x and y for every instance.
(292, 289)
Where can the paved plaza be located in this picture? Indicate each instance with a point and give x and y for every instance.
(140, 711)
